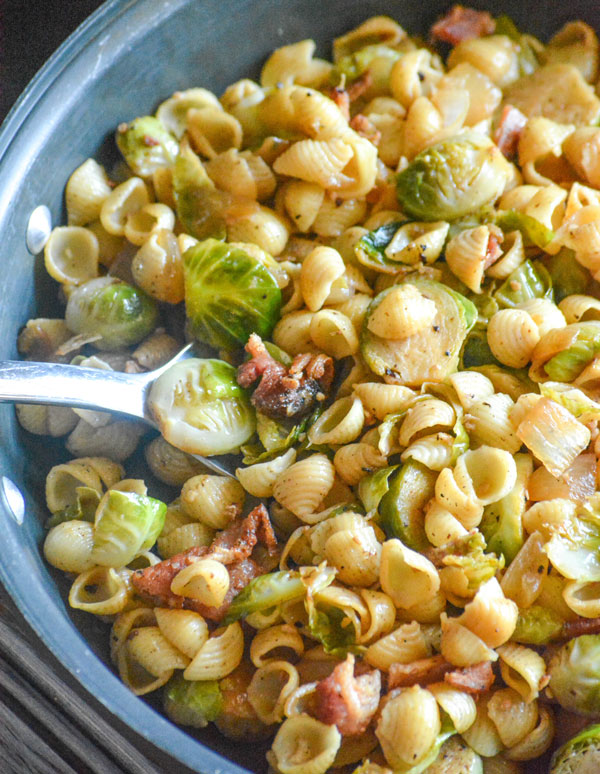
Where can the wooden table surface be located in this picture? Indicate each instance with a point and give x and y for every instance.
(48, 723)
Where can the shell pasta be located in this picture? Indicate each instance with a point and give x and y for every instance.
(392, 258)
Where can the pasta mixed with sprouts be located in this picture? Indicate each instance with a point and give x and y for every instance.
(394, 259)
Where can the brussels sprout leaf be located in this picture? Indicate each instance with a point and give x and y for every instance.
(264, 592)
(534, 232)
(193, 702)
(126, 523)
(529, 280)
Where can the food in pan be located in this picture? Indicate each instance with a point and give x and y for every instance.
(393, 257)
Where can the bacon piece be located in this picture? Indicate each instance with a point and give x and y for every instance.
(342, 100)
(359, 86)
(472, 679)
(493, 251)
(421, 672)
(507, 135)
(365, 128)
(283, 392)
(232, 548)
(581, 626)
(462, 23)
(348, 701)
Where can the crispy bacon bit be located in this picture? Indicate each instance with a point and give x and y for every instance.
(581, 626)
(510, 128)
(358, 87)
(462, 23)
(342, 100)
(472, 679)
(283, 392)
(424, 671)
(344, 96)
(365, 128)
(348, 701)
(232, 548)
(493, 251)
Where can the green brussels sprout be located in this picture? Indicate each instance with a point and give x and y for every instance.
(356, 64)
(373, 487)
(83, 509)
(476, 351)
(401, 508)
(264, 592)
(429, 354)
(534, 232)
(126, 523)
(192, 702)
(119, 313)
(453, 178)
(568, 276)
(328, 624)
(370, 249)
(200, 206)
(529, 280)
(583, 347)
(575, 675)
(146, 145)
(501, 524)
(468, 554)
(201, 409)
(580, 755)
(229, 294)
(537, 625)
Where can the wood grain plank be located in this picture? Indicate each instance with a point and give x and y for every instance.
(19, 654)
(52, 723)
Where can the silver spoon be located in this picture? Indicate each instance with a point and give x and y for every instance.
(57, 384)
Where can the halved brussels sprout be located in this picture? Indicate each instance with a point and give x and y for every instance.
(146, 145)
(126, 523)
(580, 755)
(120, 314)
(401, 508)
(575, 675)
(201, 409)
(537, 625)
(329, 626)
(192, 702)
(501, 524)
(229, 294)
(429, 354)
(453, 178)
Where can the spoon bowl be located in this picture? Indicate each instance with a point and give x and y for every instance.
(57, 384)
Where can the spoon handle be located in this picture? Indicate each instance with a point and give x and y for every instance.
(66, 385)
